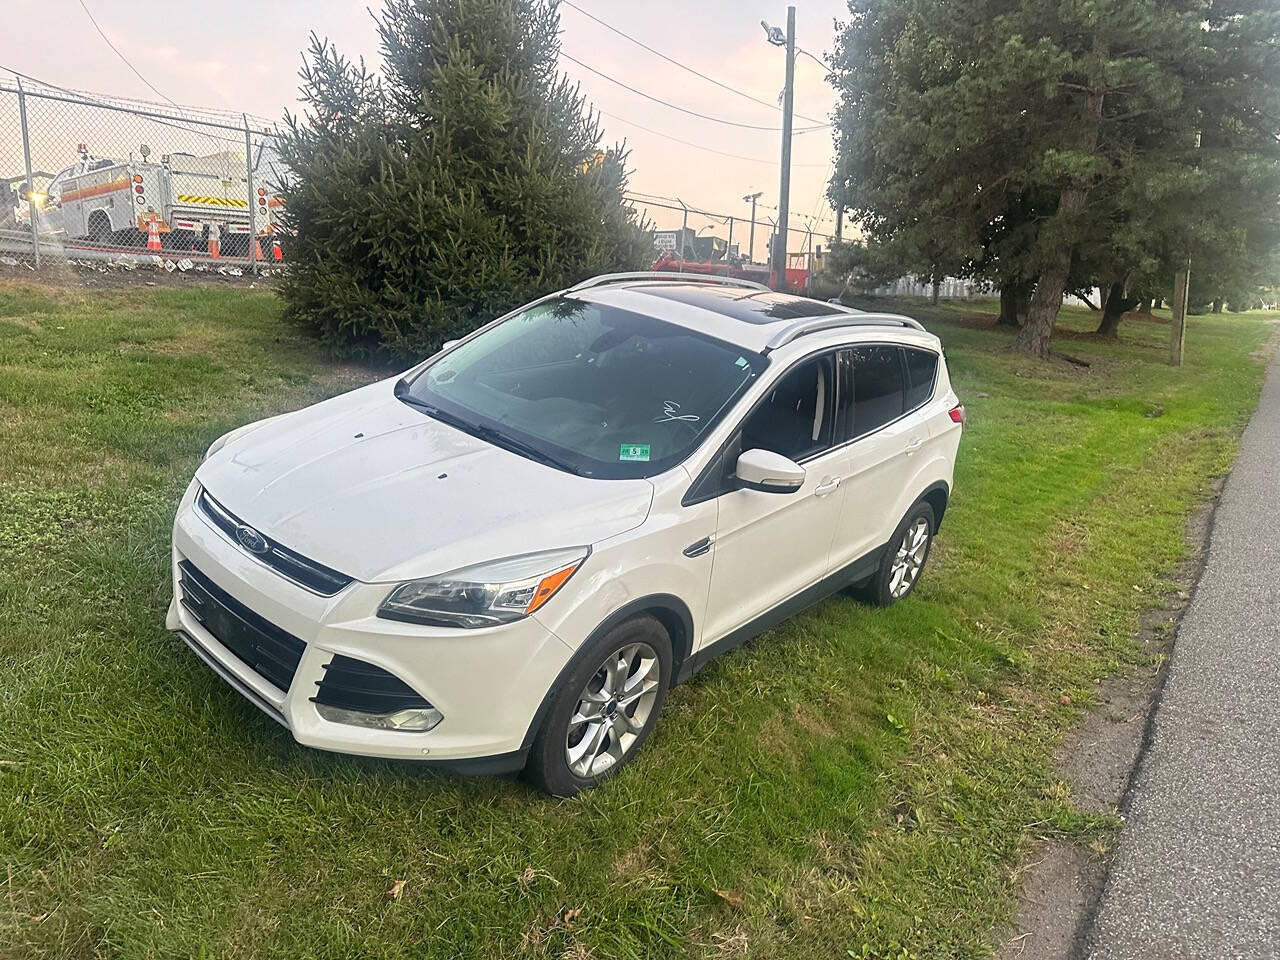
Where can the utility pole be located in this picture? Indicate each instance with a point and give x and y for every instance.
(784, 189)
(839, 222)
(728, 244)
(751, 198)
(1181, 292)
(683, 227)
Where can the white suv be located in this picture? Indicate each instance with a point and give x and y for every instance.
(505, 558)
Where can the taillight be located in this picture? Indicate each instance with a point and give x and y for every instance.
(956, 413)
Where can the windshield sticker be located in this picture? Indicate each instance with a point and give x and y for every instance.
(671, 411)
(742, 362)
(634, 451)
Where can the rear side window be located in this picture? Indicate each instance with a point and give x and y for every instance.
(922, 369)
(877, 387)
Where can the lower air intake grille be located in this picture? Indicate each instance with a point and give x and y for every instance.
(270, 651)
(352, 684)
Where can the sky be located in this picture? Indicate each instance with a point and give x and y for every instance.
(244, 55)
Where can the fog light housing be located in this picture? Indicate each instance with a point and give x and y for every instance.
(409, 720)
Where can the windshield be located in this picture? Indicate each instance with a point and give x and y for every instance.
(592, 389)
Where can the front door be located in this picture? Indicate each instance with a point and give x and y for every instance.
(770, 546)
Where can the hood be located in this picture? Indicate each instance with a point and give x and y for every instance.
(380, 491)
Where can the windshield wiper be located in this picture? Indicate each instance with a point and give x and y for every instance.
(496, 437)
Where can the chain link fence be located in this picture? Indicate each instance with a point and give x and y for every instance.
(85, 178)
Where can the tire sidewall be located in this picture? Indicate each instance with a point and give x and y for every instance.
(547, 767)
(881, 592)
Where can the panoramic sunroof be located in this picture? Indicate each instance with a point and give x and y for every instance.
(749, 306)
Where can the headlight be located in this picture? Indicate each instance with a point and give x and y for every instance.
(486, 594)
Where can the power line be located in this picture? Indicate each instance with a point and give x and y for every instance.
(677, 63)
(694, 113)
(81, 97)
(698, 146)
(633, 198)
(121, 55)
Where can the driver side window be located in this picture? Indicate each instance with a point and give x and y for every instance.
(797, 417)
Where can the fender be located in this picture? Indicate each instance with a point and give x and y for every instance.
(930, 479)
(669, 609)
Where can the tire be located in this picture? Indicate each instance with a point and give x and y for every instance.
(589, 733)
(886, 586)
(99, 228)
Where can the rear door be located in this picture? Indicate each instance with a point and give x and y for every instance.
(882, 438)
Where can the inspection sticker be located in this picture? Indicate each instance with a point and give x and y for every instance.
(634, 451)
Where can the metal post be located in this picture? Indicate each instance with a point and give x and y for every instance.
(26, 156)
(253, 200)
(1181, 292)
(684, 225)
(751, 237)
(784, 189)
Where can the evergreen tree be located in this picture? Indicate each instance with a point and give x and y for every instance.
(1057, 144)
(466, 180)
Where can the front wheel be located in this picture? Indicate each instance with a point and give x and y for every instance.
(904, 559)
(604, 711)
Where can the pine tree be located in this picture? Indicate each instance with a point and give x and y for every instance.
(1057, 144)
(466, 180)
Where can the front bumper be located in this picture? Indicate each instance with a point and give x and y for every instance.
(489, 684)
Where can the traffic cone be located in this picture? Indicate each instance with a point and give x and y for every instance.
(276, 253)
(153, 236)
(257, 249)
(215, 242)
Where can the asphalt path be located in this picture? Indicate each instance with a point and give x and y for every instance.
(1196, 872)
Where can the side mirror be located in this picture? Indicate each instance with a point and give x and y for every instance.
(449, 345)
(769, 472)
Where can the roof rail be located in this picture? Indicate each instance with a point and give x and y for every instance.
(817, 324)
(667, 276)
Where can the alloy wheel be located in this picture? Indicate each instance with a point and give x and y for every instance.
(910, 558)
(613, 709)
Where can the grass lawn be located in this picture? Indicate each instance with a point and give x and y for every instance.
(856, 783)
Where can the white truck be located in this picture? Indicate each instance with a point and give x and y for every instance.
(112, 202)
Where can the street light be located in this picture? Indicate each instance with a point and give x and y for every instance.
(778, 254)
(751, 198)
(775, 35)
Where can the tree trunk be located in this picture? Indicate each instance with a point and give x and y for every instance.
(1114, 308)
(1013, 306)
(1217, 305)
(1034, 336)
(1157, 303)
(1145, 307)
(935, 293)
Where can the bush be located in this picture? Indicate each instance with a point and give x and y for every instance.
(465, 181)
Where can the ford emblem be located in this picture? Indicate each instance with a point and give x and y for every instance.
(252, 540)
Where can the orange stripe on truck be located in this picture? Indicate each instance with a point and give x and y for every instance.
(84, 193)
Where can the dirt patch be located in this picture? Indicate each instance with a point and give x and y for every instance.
(1061, 882)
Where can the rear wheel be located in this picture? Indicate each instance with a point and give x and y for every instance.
(100, 227)
(604, 711)
(904, 559)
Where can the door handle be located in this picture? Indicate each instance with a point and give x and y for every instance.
(699, 547)
(827, 486)
(914, 444)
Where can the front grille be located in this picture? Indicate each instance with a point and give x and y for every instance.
(270, 651)
(316, 577)
(352, 684)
